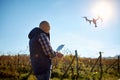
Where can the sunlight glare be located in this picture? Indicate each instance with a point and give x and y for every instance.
(102, 9)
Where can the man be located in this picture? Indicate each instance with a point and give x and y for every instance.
(41, 51)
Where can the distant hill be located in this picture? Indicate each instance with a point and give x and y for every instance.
(115, 57)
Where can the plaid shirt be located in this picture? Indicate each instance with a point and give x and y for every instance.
(46, 46)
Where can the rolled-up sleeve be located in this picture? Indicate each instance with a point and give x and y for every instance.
(46, 46)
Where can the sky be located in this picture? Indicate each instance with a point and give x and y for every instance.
(19, 17)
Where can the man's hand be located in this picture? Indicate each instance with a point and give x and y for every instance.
(59, 55)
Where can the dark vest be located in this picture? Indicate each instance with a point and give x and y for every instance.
(39, 61)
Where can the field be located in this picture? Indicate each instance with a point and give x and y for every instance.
(17, 67)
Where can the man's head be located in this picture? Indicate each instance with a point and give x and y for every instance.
(44, 25)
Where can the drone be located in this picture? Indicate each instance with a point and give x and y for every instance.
(93, 20)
